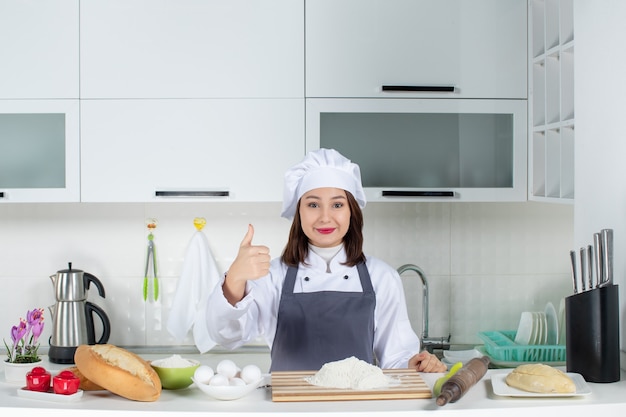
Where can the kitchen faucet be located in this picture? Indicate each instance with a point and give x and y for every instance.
(429, 343)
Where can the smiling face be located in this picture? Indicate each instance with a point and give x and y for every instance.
(325, 216)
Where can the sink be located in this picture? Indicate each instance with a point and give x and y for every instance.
(439, 352)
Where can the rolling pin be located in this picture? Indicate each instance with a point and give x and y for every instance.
(464, 379)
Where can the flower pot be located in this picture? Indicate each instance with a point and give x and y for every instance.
(16, 372)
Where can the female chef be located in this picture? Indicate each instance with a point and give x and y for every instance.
(323, 300)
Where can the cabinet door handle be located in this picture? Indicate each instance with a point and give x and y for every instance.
(1, 194)
(422, 88)
(394, 193)
(206, 193)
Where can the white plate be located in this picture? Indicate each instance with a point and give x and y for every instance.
(525, 328)
(553, 325)
(543, 322)
(540, 329)
(534, 340)
(501, 388)
(49, 395)
(228, 392)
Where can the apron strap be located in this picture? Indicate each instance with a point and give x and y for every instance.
(290, 280)
(364, 276)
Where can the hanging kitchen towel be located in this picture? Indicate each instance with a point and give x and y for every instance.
(198, 278)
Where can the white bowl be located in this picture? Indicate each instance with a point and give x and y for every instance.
(175, 378)
(228, 392)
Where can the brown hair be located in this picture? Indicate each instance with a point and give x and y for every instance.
(297, 247)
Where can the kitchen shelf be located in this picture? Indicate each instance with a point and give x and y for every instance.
(551, 100)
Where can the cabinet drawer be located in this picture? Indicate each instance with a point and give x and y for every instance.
(355, 47)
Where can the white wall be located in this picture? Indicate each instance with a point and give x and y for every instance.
(600, 68)
(486, 262)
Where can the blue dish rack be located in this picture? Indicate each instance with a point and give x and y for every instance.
(500, 345)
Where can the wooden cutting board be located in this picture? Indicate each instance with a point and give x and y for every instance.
(292, 386)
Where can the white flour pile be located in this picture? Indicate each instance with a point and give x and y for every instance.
(350, 373)
(174, 361)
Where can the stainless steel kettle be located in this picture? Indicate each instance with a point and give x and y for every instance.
(72, 315)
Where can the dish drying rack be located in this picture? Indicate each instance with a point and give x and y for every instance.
(500, 345)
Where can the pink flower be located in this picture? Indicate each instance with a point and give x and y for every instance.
(33, 316)
(18, 332)
(35, 322)
(24, 337)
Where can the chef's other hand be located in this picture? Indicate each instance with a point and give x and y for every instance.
(252, 262)
(427, 362)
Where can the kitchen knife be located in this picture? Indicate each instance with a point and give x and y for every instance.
(572, 256)
(607, 245)
(590, 267)
(598, 252)
(583, 268)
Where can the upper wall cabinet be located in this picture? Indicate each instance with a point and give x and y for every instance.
(192, 49)
(38, 49)
(391, 48)
(206, 149)
(39, 151)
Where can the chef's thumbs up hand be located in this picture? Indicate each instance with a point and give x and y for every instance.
(252, 262)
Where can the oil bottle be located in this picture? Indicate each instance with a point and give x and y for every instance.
(465, 378)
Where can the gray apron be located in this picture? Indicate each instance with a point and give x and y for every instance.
(319, 327)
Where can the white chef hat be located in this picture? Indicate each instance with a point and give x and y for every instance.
(318, 169)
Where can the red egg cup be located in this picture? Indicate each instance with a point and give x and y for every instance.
(38, 379)
(65, 383)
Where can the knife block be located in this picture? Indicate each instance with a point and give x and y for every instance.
(592, 334)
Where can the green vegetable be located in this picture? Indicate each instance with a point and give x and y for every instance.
(439, 383)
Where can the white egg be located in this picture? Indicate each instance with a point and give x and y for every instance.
(219, 380)
(227, 368)
(237, 382)
(250, 373)
(203, 374)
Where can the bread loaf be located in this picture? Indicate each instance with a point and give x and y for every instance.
(85, 384)
(540, 378)
(119, 371)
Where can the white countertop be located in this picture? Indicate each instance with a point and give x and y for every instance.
(609, 399)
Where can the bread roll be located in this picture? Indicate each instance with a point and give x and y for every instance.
(119, 371)
(85, 384)
(540, 378)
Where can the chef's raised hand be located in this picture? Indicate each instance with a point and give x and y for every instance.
(252, 262)
(427, 362)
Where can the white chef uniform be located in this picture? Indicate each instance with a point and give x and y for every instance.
(256, 314)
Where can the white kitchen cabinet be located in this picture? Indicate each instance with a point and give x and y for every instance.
(39, 49)
(192, 49)
(427, 149)
(207, 150)
(551, 100)
(39, 151)
(355, 47)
